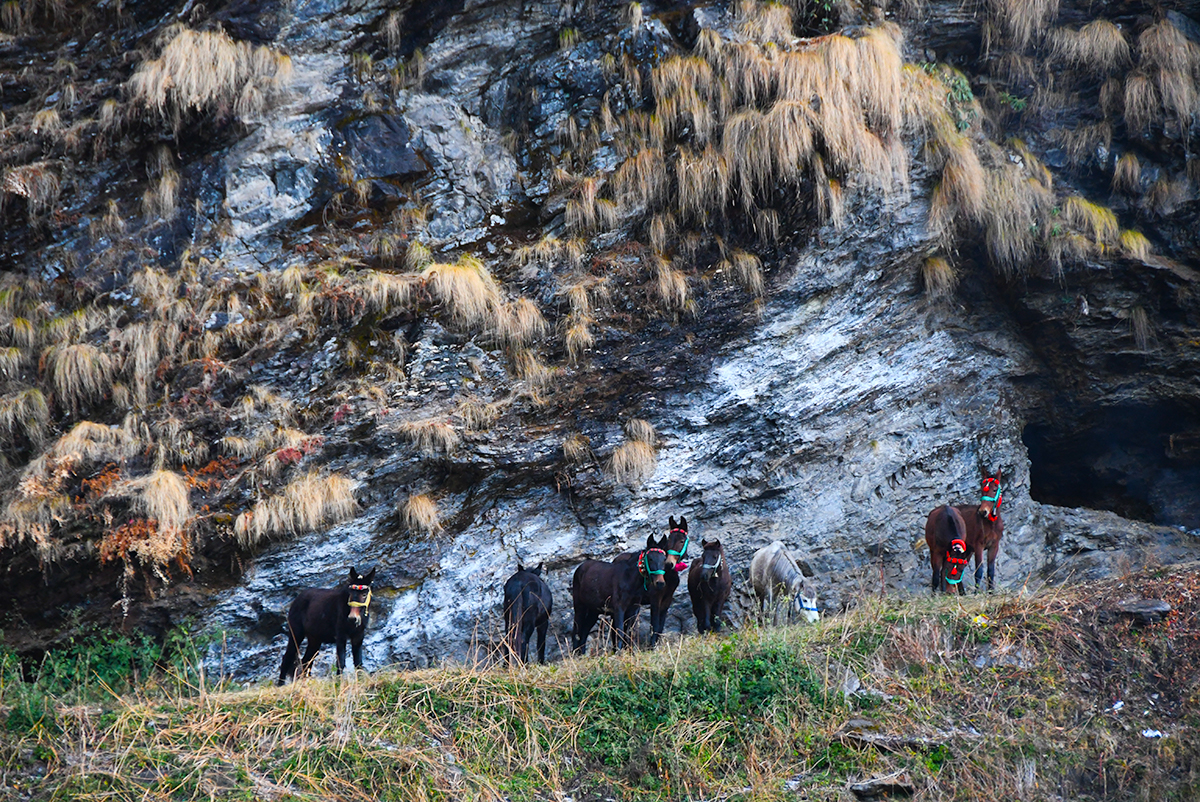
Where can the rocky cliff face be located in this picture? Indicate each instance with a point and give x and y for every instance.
(831, 407)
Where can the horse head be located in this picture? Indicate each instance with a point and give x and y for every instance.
(537, 571)
(677, 542)
(989, 497)
(804, 600)
(711, 560)
(652, 563)
(359, 599)
(954, 567)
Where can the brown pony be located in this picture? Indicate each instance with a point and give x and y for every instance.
(619, 589)
(946, 536)
(985, 527)
(709, 584)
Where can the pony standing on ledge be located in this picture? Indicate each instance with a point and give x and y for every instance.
(985, 527)
(324, 616)
(946, 536)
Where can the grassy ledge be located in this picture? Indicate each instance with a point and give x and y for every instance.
(998, 697)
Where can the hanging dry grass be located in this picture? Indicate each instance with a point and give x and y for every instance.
(1085, 142)
(579, 338)
(161, 496)
(1021, 21)
(1141, 103)
(1164, 46)
(961, 193)
(520, 323)
(81, 374)
(1165, 196)
(765, 22)
(670, 285)
(745, 269)
(1091, 219)
(466, 288)
(641, 430)
(530, 369)
(1134, 244)
(431, 437)
(24, 413)
(1015, 208)
(577, 449)
(1127, 175)
(419, 514)
(38, 183)
(1098, 47)
(306, 504)
(632, 463)
(478, 416)
(199, 71)
(938, 277)
(1140, 328)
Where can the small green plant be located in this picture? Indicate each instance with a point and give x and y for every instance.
(1014, 102)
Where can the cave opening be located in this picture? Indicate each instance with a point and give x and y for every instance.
(1140, 461)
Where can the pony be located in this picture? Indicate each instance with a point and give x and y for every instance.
(709, 584)
(946, 536)
(773, 572)
(527, 606)
(677, 552)
(333, 615)
(619, 589)
(985, 527)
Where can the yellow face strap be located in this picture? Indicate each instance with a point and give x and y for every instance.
(362, 603)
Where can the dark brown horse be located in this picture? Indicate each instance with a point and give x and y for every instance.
(709, 584)
(527, 606)
(619, 589)
(677, 552)
(334, 615)
(985, 527)
(946, 536)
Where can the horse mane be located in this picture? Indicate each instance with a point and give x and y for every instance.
(783, 567)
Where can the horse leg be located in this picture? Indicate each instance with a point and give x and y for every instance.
(341, 654)
(937, 574)
(310, 654)
(288, 669)
(991, 560)
(541, 635)
(618, 620)
(356, 653)
(977, 556)
(585, 619)
(658, 618)
(523, 636)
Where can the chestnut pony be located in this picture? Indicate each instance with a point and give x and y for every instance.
(983, 528)
(946, 536)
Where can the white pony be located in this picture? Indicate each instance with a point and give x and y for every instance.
(774, 574)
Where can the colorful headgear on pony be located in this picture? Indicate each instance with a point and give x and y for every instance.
(957, 564)
(991, 486)
(643, 569)
(360, 589)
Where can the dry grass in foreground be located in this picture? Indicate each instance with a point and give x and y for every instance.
(1000, 697)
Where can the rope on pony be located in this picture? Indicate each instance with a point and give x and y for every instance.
(360, 588)
(991, 486)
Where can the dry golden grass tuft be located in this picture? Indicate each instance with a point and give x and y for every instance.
(670, 285)
(1016, 208)
(1019, 21)
(961, 193)
(419, 514)
(765, 22)
(641, 430)
(24, 413)
(938, 277)
(1141, 102)
(38, 183)
(1091, 219)
(466, 288)
(1085, 142)
(161, 496)
(386, 293)
(81, 374)
(577, 449)
(1098, 47)
(578, 338)
(478, 415)
(1165, 47)
(1134, 244)
(306, 504)
(632, 463)
(746, 270)
(520, 323)
(199, 71)
(530, 369)
(1141, 328)
(1127, 175)
(431, 437)
(1165, 196)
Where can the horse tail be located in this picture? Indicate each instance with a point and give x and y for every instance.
(516, 617)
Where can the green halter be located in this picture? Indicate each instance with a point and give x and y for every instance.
(644, 569)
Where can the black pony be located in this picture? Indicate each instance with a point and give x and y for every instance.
(709, 584)
(677, 552)
(527, 606)
(619, 589)
(334, 615)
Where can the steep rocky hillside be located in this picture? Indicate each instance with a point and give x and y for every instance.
(440, 286)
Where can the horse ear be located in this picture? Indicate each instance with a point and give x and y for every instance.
(671, 521)
(520, 566)
(353, 575)
(368, 576)
(1000, 475)
(683, 522)
(539, 568)
(650, 541)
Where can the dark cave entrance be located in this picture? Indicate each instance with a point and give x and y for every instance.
(1139, 461)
